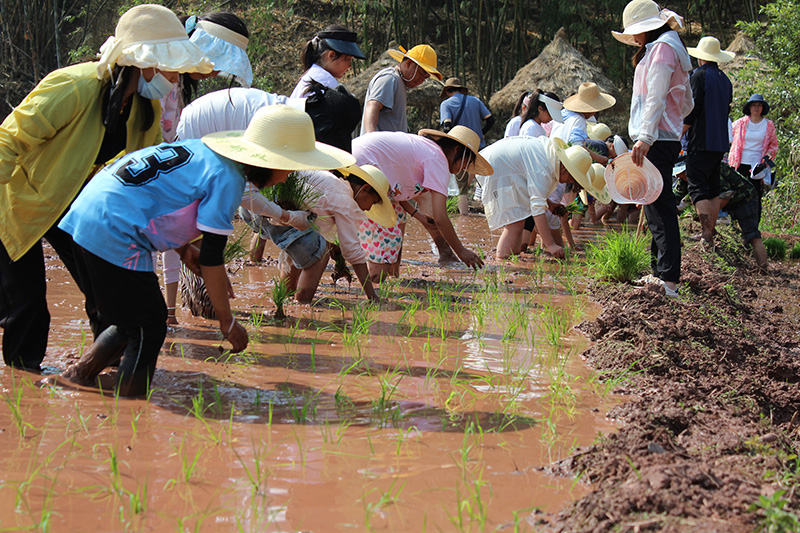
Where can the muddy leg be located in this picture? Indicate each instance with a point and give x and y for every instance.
(104, 352)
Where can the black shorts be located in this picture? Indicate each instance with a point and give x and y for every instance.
(747, 217)
(702, 174)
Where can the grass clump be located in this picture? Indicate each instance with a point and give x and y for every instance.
(280, 294)
(296, 193)
(620, 256)
(795, 252)
(776, 248)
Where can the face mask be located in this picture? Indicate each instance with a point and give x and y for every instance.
(155, 89)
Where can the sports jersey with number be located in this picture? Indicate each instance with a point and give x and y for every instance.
(155, 199)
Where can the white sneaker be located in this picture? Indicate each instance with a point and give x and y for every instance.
(670, 293)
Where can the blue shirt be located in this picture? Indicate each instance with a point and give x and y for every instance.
(155, 199)
(472, 116)
(712, 92)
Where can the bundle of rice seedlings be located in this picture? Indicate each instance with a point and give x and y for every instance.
(776, 248)
(620, 256)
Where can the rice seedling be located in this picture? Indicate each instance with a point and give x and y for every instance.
(295, 193)
(794, 253)
(280, 293)
(619, 256)
(776, 248)
(452, 205)
(555, 323)
(13, 400)
(237, 248)
(257, 473)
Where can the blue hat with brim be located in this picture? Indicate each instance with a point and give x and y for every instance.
(343, 42)
(753, 99)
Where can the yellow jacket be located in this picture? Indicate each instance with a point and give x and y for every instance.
(48, 146)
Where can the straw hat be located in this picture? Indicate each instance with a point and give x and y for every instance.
(631, 184)
(382, 213)
(279, 137)
(147, 36)
(577, 161)
(422, 54)
(641, 16)
(589, 99)
(598, 131)
(708, 49)
(452, 83)
(470, 139)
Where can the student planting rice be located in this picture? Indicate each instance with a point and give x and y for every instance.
(76, 119)
(526, 171)
(163, 198)
(415, 164)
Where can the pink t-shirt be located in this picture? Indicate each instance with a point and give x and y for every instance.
(411, 163)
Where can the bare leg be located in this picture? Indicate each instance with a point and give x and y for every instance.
(309, 278)
(510, 240)
(759, 252)
(523, 243)
(171, 290)
(257, 248)
(446, 254)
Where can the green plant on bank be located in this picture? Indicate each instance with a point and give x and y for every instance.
(619, 256)
(776, 248)
(775, 518)
(794, 253)
(281, 293)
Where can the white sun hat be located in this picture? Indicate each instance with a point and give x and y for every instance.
(382, 213)
(226, 49)
(150, 35)
(641, 16)
(278, 137)
(709, 49)
(631, 184)
(598, 131)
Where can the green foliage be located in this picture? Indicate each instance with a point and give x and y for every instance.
(776, 248)
(776, 519)
(776, 75)
(795, 252)
(295, 193)
(619, 256)
(452, 205)
(235, 249)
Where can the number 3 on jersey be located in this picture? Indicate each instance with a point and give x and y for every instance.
(136, 171)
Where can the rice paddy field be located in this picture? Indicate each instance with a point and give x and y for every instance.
(438, 410)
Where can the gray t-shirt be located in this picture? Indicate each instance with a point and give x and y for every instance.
(387, 87)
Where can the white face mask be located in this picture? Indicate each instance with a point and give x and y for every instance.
(155, 89)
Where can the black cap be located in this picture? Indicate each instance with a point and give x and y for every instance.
(343, 42)
(753, 99)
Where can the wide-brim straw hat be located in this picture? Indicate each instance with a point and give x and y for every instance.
(752, 100)
(148, 36)
(589, 99)
(422, 54)
(382, 213)
(578, 162)
(631, 184)
(708, 49)
(553, 106)
(226, 48)
(598, 131)
(452, 83)
(641, 16)
(278, 137)
(470, 139)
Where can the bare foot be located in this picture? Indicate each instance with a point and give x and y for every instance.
(73, 375)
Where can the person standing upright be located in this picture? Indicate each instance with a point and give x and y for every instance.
(385, 101)
(460, 109)
(708, 131)
(661, 98)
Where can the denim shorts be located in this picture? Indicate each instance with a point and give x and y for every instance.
(305, 247)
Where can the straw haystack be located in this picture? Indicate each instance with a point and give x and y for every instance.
(426, 96)
(745, 51)
(561, 69)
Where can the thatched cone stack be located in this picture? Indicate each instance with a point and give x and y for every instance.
(561, 69)
(425, 97)
(745, 51)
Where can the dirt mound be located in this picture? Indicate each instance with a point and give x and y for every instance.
(715, 375)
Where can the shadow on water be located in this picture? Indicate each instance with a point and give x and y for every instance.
(199, 395)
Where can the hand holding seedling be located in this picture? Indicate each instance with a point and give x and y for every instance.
(556, 251)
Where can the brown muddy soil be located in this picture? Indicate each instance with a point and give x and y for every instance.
(714, 420)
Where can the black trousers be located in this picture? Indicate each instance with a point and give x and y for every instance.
(662, 215)
(744, 170)
(23, 301)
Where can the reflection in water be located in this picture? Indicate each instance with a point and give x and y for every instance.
(435, 410)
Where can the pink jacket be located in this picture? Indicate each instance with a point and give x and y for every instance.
(770, 145)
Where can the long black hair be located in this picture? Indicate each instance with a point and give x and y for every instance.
(518, 106)
(113, 104)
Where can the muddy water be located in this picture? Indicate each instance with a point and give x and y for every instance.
(434, 412)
